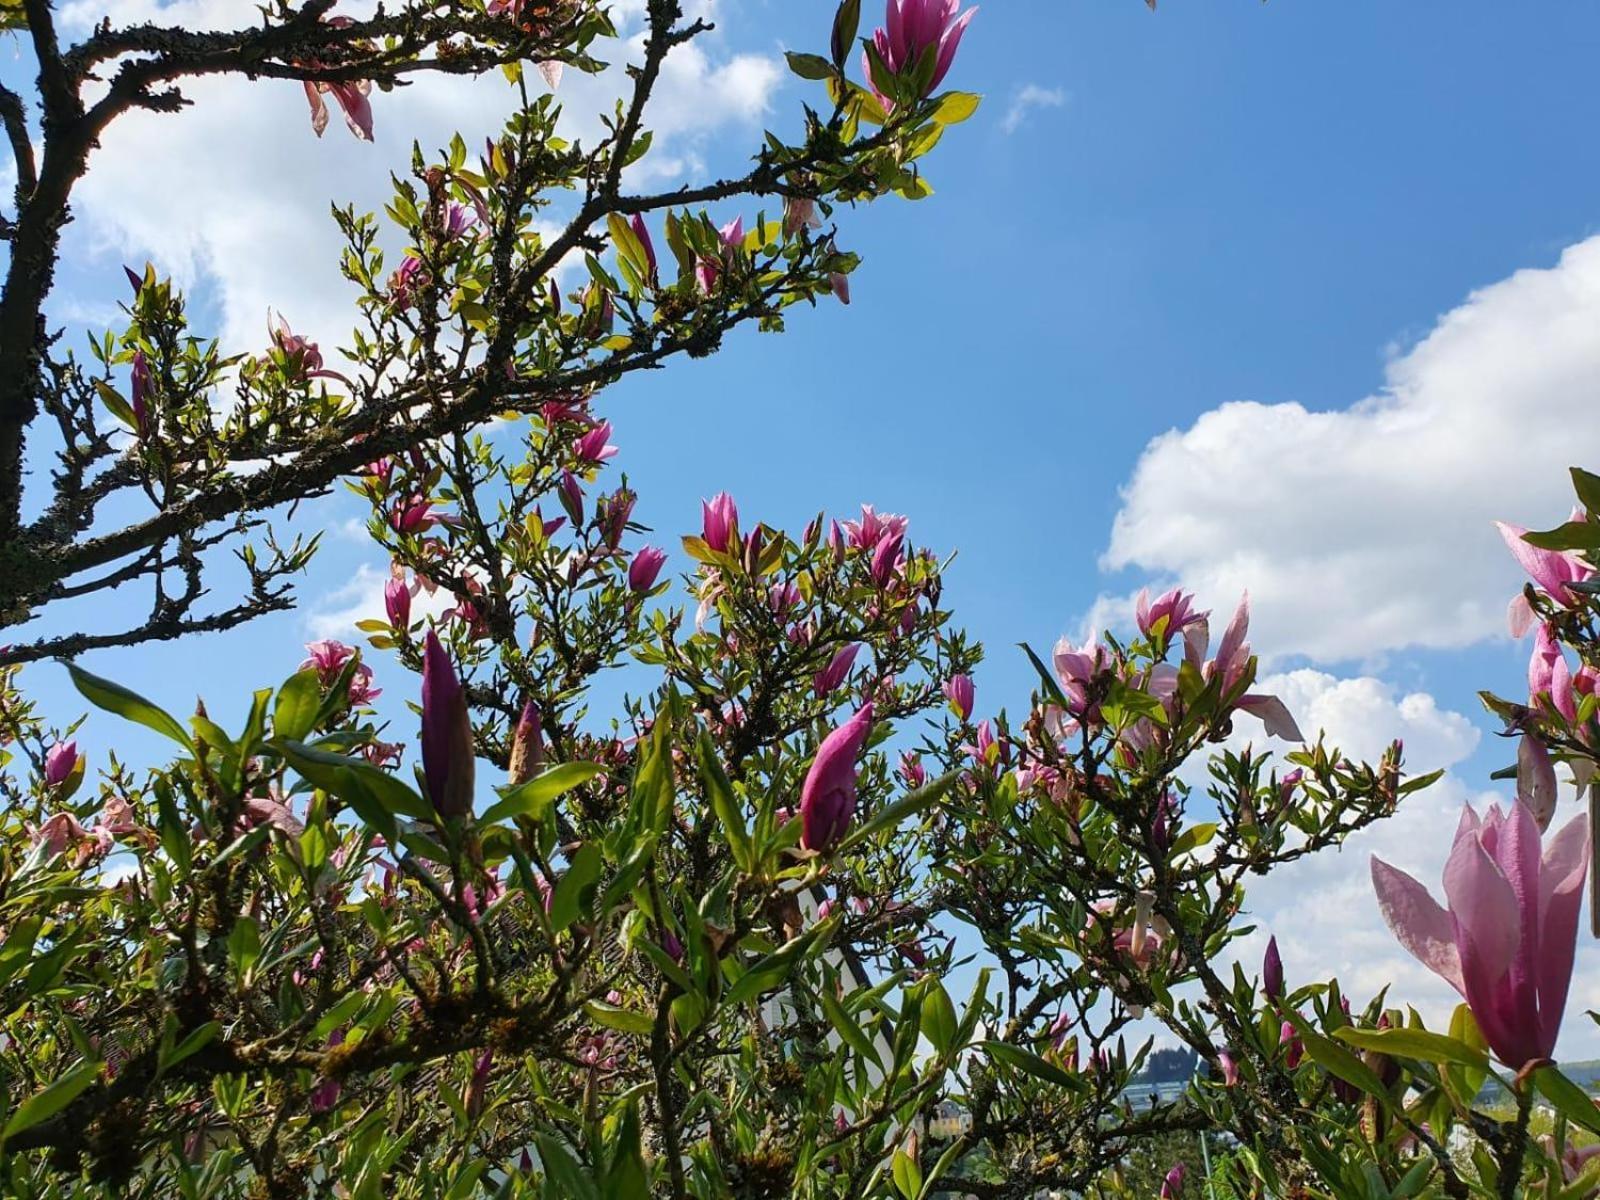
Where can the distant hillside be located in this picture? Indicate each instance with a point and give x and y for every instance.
(1585, 1074)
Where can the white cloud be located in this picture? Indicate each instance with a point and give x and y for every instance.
(1369, 529)
(1028, 97)
(234, 192)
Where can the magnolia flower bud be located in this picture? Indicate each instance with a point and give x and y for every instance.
(828, 796)
(448, 765)
(527, 746)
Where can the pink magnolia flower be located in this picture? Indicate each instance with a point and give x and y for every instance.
(719, 522)
(645, 568)
(828, 796)
(1507, 940)
(592, 447)
(887, 559)
(329, 657)
(119, 820)
(959, 691)
(448, 765)
(350, 96)
(1573, 1158)
(59, 762)
(1232, 660)
(413, 515)
(911, 29)
(827, 680)
(62, 833)
(1168, 615)
(799, 212)
(1076, 667)
(911, 769)
(1552, 570)
(709, 270)
(1294, 1050)
(397, 603)
(1272, 970)
(1172, 1185)
(873, 527)
(1228, 1068)
(642, 232)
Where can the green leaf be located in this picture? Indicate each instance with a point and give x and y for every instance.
(890, 816)
(376, 796)
(809, 66)
(1587, 486)
(1193, 838)
(533, 798)
(724, 803)
(956, 107)
(1415, 1043)
(563, 1171)
(771, 972)
(197, 1040)
(244, 944)
(907, 1175)
(623, 1019)
(115, 698)
(575, 889)
(51, 1099)
(1336, 1060)
(1031, 1064)
(1568, 1098)
(849, 1029)
(1572, 535)
(299, 699)
(939, 1018)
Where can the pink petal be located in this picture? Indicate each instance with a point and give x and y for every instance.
(1418, 922)
(948, 45)
(1273, 714)
(1562, 874)
(1519, 616)
(1485, 910)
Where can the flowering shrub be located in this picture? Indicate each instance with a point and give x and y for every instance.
(804, 914)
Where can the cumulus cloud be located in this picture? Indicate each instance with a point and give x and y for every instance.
(1369, 529)
(1027, 98)
(233, 193)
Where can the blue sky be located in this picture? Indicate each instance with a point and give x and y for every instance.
(1287, 295)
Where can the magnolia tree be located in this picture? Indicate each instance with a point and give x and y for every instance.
(795, 918)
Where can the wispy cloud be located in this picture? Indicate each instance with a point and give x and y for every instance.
(1027, 98)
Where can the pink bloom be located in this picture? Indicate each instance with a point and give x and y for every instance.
(645, 567)
(1172, 1185)
(352, 100)
(873, 527)
(912, 770)
(912, 28)
(959, 691)
(1507, 940)
(448, 765)
(413, 515)
(642, 232)
(886, 559)
(836, 672)
(1293, 1048)
(1170, 613)
(1076, 668)
(397, 603)
(1272, 971)
(799, 212)
(1228, 1068)
(1552, 570)
(477, 1084)
(591, 448)
(719, 522)
(709, 270)
(1232, 661)
(59, 762)
(828, 796)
